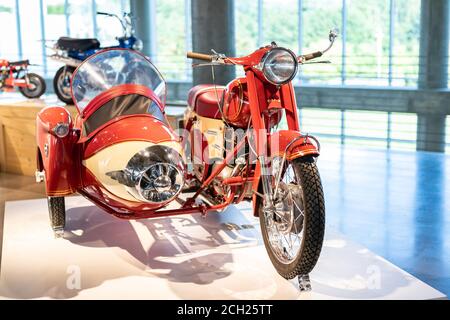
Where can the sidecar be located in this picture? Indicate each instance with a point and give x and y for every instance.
(120, 151)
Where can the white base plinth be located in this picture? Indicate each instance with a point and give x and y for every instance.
(183, 257)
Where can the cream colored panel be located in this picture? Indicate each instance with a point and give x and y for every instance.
(116, 158)
(213, 130)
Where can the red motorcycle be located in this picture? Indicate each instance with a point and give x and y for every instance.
(15, 74)
(121, 153)
(246, 143)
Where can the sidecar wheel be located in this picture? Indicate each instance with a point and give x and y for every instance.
(293, 256)
(57, 212)
(61, 84)
(38, 86)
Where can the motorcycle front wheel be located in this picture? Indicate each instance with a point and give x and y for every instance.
(61, 84)
(37, 86)
(293, 227)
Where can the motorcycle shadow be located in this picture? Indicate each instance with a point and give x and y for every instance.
(187, 249)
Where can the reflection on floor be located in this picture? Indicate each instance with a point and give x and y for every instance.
(394, 203)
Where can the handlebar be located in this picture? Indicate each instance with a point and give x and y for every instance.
(104, 13)
(200, 56)
(311, 56)
(222, 59)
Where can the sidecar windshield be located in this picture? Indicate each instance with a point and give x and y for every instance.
(114, 68)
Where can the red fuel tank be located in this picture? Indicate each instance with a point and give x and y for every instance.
(236, 107)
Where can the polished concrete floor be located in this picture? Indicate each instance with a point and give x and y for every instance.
(394, 203)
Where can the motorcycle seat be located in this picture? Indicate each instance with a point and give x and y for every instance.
(203, 100)
(66, 43)
(19, 63)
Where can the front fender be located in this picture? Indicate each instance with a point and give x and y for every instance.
(299, 145)
(289, 143)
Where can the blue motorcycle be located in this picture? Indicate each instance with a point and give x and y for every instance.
(71, 52)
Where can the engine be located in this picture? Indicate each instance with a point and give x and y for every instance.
(153, 175)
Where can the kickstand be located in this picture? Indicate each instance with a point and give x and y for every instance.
(304, 283)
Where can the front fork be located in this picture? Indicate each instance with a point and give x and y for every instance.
(266, 182)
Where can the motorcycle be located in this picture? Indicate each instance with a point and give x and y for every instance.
(274, 163)
(15, 75)
(244, 142)
(71, 52)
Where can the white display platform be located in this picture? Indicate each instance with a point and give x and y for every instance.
(184, 257)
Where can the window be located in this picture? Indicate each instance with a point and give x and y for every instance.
(403, 131)
(9, 46)
(171, 34)
(325, 124)
(371, 129)
(367, 42)
(318, 17)
(246, 26)
(381, 37)
(55, 26)
(405, 56)
(280, 25)
(31, 35)
(81, 22)
(108, 28)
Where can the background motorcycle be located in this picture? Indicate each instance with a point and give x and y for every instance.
(246, 143)
(72, 52)
(15, 74)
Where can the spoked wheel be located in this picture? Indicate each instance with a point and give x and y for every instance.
(293, 226)
(57, 213)
(61, 84)
(36, 88)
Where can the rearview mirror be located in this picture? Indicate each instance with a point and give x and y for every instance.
(333, 34)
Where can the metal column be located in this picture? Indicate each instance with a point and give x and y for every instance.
(433, 71)
(213, 28)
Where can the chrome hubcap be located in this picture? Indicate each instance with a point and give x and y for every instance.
(64, 84)
(284, 219)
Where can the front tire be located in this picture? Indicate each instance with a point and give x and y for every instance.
(37, 86)
(311, 230)
(61, 84)
(57, 213)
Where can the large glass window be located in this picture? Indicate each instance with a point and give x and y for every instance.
(367, 42)
(280, 25)
(109, 28)
(246, 24)
(55, 27)
(171, 35)
(318, 17)
(81, 20)
(406, 32)
(31, 31)
(9, 46)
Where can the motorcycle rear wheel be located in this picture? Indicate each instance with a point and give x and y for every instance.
(312, 229)
(61, 84)
(38, 86)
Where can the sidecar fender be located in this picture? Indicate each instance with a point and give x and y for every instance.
(289, 143)
(56, 156)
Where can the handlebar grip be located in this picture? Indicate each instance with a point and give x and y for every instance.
(311, 56)
(103, 13)
(199, 56)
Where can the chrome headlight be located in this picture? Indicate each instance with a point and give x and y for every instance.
(279, 66)
(61, 129)
(138, 45)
